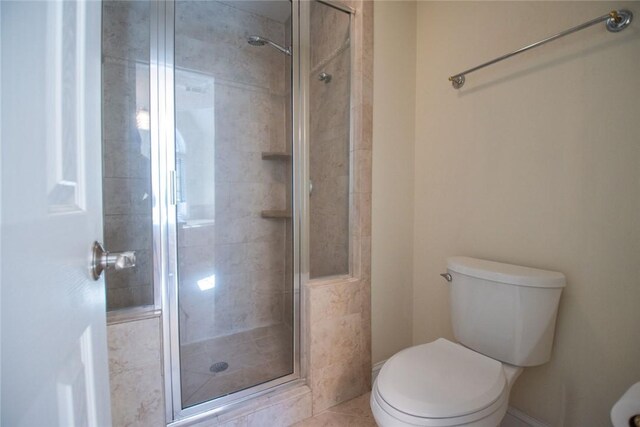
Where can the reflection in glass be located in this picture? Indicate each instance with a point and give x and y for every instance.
(233, 103)
(329, 141)
(126, 150)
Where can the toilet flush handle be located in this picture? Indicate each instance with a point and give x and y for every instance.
(447, 277)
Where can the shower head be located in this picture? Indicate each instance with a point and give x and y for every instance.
(261, 41)
(256, 41)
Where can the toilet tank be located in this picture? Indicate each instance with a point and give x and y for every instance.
(504, 311)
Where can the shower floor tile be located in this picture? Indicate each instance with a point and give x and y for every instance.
(253, 357)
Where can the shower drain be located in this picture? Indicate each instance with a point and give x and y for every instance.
(219, 367)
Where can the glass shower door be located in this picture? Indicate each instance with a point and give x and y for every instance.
(233, 196)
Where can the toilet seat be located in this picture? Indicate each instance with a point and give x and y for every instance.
(387, 416)
(441, 384)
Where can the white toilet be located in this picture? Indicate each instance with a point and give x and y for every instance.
(504, 319)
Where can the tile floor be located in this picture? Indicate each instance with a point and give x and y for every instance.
(253, 356)
(353, 413)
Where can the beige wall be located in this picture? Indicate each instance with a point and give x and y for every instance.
(536, 162)
(393, 139)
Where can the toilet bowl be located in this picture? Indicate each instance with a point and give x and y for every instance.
(503, 317)
(442, 384)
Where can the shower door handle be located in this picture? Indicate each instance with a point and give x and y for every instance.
(102, 259)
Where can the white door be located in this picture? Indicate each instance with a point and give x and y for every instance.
(53, 320)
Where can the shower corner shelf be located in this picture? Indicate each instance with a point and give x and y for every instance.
(275, 214)
(275, 155)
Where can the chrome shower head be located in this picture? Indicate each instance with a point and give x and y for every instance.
(261, 41)
(256, 41)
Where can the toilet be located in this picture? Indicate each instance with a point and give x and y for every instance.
(503, 318)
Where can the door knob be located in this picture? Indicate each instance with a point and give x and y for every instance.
(102, 259)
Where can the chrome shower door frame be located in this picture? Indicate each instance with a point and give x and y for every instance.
(163, 157)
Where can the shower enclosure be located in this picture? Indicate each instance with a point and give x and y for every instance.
(233, 195)
(227, 142)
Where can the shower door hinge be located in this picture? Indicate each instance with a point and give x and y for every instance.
(173, 188)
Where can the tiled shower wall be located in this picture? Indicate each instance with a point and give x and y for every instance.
(336, 315)
(329, 141)
(338, 312)
(252, 101)
(126, 150)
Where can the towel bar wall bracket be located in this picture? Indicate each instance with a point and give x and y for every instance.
(615, 21)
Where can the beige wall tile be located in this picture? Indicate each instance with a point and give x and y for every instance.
(336, 340)
(334, 300)
(126, 33)
(283, 408)
(333, 419)
(283, 413)
(339, 311)
(337, 383)
(136, 373)
(362, 173)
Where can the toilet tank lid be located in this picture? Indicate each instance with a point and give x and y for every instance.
(506, 273)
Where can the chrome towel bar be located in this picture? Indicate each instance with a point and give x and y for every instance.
(616, 20)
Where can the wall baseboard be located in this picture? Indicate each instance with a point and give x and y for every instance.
(513, 418)
(517, 418)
